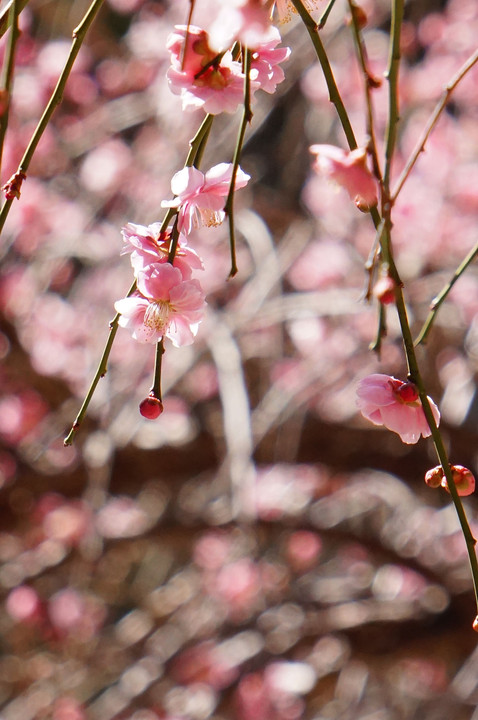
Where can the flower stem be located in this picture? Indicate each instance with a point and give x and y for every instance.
(392, 76)
(334, 95)
(78, 35)
(100, 372)
(156, 389)
(246, 119)
(7, 71)
(325, 15)
(6, 17)
(198, 142)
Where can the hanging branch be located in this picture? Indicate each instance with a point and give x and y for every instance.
(246, 119)
(6, 81)
(13, 187)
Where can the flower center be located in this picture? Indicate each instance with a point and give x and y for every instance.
(158, 315)
(208, 217)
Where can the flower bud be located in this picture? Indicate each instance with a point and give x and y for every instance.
(384, 290)
(151, 407)
(434, 477)
(463, 478)
(408, 392)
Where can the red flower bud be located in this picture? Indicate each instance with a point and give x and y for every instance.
(384, 290)
(464, 480)
(407, 392)
(151, 407)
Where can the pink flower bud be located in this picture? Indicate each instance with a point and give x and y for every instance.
(434, 477)
(151, 407)
(464, 480)
(384, 290)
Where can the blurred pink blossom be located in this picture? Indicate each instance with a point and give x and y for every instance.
(168, 306)
(247, 21)
(266, 59)
(201, 197)
(24, 605)
(348, 169)
(384, 400)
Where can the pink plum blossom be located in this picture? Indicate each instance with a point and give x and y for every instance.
(200, 197)
(265, 61)
(348, 169)
(149, 245)
(165, 306)
(384, 400)
(202, 78)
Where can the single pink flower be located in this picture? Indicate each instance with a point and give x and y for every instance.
(149, 245)
(165, 306)
(265, 61)
(200, 76)
(384, 400)
(200, 197)
(348, 169)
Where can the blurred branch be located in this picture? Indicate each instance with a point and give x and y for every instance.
(78, 35)
(420, 146)
(7, 73)
(6, 17)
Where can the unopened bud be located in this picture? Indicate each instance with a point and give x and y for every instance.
(408, 392)
(151, 407)
(358, 15)
(384, 290)
(434, 477)
(464, 480)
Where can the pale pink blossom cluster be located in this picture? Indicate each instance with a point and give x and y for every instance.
(210, 77)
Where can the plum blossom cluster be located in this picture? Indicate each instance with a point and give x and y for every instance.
(214, 81)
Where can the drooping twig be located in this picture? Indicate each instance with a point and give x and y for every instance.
(78, 35)
(6, 81)
(440, 106)
(443, 294)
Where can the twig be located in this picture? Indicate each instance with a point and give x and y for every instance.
(334, 95)
(78, 35)
(442, 295)
(440, 106)
(7, 72)
(246, 119)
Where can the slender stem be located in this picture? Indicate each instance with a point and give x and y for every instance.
(325, 15)
(246, 119)
(156, 389)
(78, 35)
(174, 241)
(440, 106)
(7, 72)
(100, 372)
(392, 76)
(198, 141)
(376, 345)
(362, 57)
(334, 95)
(442, 295)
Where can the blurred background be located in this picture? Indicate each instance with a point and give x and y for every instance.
(260, 552)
